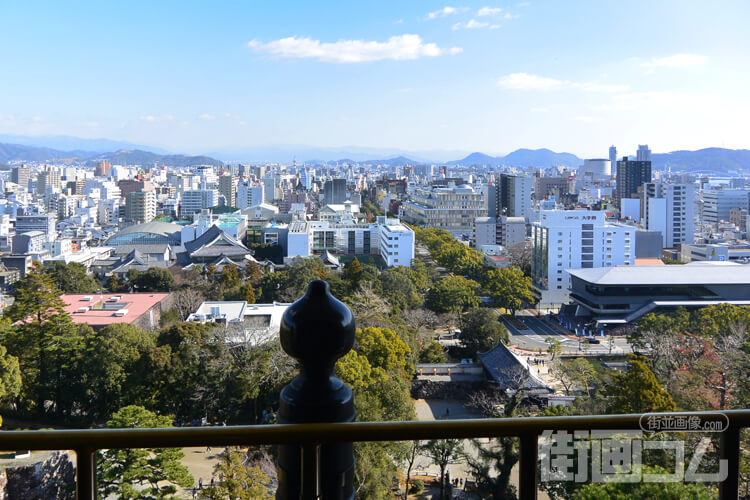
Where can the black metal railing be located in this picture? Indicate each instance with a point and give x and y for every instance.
(310, 437)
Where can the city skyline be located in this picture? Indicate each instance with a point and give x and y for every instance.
(474, 76)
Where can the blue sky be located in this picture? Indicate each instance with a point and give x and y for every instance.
(471, 76)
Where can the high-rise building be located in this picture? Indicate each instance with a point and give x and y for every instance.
(249, 194)
(47, 179)
(21, 176)
(668, 208)
(630, 175)
(45, 223)
(306, 177)
(452, 209)
(575, 239)
(102, 168)
(718, 203)
(228, 188)
(612, 156)
(140, 206)
(128, 186)
(196, 200)
(334, 191)
(510, 196)
(643, 154)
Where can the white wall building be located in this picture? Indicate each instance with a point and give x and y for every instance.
(249, 194)
(575, 239)
(718, 202)
(669, 208)
(197, 199)
(389, 238)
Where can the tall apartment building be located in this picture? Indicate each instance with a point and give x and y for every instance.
(669, 209)
(510, 196)
(102, 168)
(550, 186)
(21, 176)
(503, 231)
(334, 191)
(631, 174)
(452, 209)
(140, 206)
(643, 153)
(306, 177)
(718, 203)
(228, 189)
(128, 186)
(196, 200)
(47, 179)
(612, 156)
(249, 194)
(575, 239)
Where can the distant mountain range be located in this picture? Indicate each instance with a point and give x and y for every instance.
(11, 152)
(38, 149)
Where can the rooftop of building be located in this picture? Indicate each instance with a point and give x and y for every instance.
(109, 308)
(694, 273)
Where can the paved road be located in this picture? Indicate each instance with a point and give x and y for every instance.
(538, 331)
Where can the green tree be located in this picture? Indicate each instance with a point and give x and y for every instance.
(399, 287)
(383, 348)
(443, 452)
(353, 274)
(432, 353)
(71, 278)
(115, 367)
(230, 275)
(453, 294)
(481, 331)
(509, 288)
(238, 481)
(636, 390)
(10, 377)
(151, 473)
(37, 298)
(626, 491)
(155, 279)
(555, 347)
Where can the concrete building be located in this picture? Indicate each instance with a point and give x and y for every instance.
(716, 252)
(196, 200)
(49, 179)
(99, 310)
(249, 194)
(132, 185)
(452, 209)
(597, 169)
(643, 153)
(669, 209)
(21, 176)
(503, 231)
(619, 295)
(612, 157)
(228, 189)
(551, 186)
(140, 206)
(718, 203)
(46, 223)
(575, 239)
(334, 191)
(511, 196)
(388, 238)
(630, 176)
(244, 323)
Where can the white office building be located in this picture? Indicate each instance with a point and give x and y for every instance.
(388, 238)
(452, 209)
(717, 203)
(669, 209)
(249, 194)
(503, 231)
(197, 199)
(575, 239)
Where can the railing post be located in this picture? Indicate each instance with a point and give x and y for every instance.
(729, 450)
(527, 480)
(316, 330)
(85, 474)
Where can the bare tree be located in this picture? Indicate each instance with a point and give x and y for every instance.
(519, 255)
(187, 301)
(423, 321)
(366, 304)
(411, 456)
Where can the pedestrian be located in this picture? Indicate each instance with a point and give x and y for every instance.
(200, 483)
(195, 492)
(212, 482)
(208, 449)
(447, 411)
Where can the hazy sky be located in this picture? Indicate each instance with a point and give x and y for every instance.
(489, 76)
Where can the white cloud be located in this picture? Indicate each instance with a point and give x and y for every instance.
(677, 61)
(489, 11)
(526, 81)
(398, 21)
(539, 110)
(397, 48)
(508, 15)
(585, 119)
(207, 117)
(445, 11)
(524, 4)
(157, 118)
(474, 24)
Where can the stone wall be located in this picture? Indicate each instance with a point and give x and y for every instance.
(430, 389)
(54, 477)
